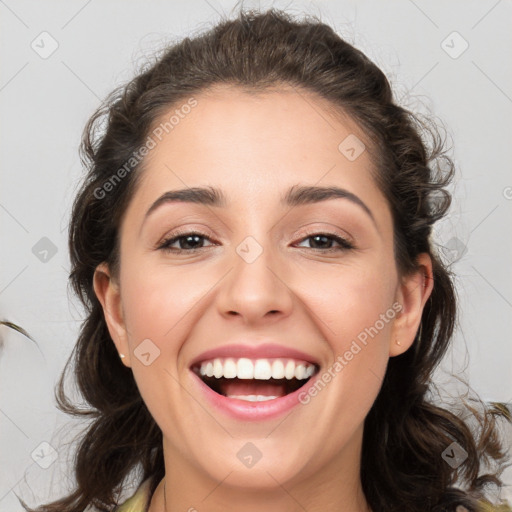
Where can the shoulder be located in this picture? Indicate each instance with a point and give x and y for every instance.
(138, 501)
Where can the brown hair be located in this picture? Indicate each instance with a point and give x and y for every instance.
(405, 433)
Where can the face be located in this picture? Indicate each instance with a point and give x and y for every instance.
(291, 309)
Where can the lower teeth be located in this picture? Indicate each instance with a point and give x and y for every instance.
(253, 398)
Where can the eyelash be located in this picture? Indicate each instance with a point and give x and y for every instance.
(345, 245)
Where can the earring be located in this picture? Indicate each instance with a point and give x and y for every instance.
(398, 342)
(121, 356)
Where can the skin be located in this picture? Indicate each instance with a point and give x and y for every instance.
(254, 147)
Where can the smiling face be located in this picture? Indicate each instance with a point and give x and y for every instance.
(257, 278)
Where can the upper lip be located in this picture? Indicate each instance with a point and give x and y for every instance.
(252, 351)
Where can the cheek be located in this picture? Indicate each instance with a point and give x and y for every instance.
(351, 300)
(357, 316)
(156, 299)
(357, 309)
(157, 305)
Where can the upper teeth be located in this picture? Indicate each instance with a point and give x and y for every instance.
(261, 369)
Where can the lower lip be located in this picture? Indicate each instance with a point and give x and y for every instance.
(253, 411)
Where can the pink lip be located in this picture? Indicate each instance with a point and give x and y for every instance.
(262, 351)
(252, 411)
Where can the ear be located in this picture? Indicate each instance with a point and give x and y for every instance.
(412, 293)
(108, 293)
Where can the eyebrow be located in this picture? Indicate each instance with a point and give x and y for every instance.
(295, 196)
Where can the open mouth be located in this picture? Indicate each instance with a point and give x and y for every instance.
(254, 380)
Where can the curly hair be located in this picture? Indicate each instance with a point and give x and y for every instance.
(405, 432)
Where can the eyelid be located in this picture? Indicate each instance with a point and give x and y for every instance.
(333, 231)
(185, 229)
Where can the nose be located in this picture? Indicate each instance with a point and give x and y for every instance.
(256, 290)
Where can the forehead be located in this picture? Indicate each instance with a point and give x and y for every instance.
(254, 146)
(287, 118)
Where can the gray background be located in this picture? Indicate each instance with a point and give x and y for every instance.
(46, 99)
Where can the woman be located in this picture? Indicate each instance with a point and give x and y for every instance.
(265, 306)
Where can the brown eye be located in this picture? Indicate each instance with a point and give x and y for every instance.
(324, 241)
(187, 242)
